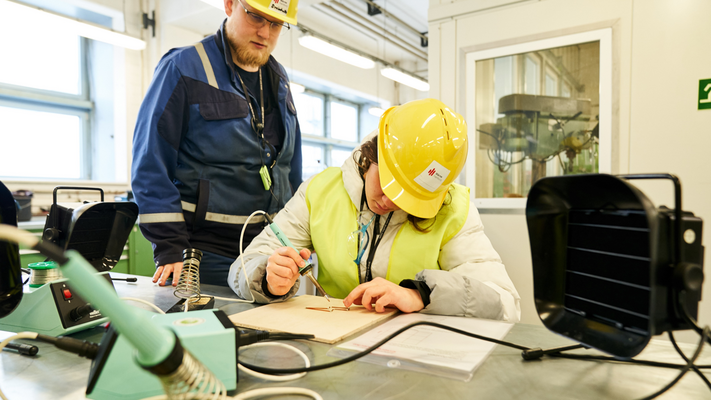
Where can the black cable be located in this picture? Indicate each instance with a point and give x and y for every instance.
(370, 349)
(245, 337)
(82, 348)
(694, 367)
(22, 348)
(684, 367)
(584, 357)
(28, 272)
(704, 337)
(681, 301)
(288, 336)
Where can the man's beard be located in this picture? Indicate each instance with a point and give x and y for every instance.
(250, 58)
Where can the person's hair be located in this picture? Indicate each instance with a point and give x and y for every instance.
(366, 155)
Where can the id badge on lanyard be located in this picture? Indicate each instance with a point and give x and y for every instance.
(266, 179)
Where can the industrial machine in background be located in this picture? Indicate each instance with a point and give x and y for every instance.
(610, 270)
(539, 128)
(98, 231)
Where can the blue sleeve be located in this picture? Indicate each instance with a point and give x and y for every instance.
(296, 161)
(161, 122)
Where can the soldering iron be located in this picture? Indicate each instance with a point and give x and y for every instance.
(306, 269)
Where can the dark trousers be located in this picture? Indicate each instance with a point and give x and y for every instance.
(214, 268)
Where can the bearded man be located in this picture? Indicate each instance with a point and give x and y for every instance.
(216, 139)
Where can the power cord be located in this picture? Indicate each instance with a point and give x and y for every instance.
(375, 346)
(82, 348)
(694, 367)
(527, 354)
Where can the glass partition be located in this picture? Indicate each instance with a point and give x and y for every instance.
(536, 113)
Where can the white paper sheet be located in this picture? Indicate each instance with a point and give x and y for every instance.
(427, 348)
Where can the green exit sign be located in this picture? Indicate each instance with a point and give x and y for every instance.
(705, 94)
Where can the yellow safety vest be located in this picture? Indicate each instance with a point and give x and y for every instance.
(333, 216)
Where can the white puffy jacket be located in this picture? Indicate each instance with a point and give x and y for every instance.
(472, 282)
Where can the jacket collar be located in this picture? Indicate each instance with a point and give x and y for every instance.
(223, 45)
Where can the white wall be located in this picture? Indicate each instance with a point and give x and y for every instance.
(660, 52)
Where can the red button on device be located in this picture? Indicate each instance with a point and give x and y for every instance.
(67, 294)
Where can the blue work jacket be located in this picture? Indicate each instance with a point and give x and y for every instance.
(196, 157)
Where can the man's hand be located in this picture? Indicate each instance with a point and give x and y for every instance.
(283, 269)
(165, 271)
(384, 293)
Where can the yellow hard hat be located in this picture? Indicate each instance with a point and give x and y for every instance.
(422, 148)
(284, 10)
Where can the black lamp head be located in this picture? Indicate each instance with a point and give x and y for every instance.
(608, 266)
(98, 231)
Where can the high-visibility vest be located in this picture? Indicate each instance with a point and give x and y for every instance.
(333, 217)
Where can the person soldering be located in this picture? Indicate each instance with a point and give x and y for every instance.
(390, 227)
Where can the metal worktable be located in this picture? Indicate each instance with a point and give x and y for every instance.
(54, 374)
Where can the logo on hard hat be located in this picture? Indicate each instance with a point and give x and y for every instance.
(281, 6)
(433, 176)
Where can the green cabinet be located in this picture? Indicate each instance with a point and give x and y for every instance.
(136, 258)
(140, 259)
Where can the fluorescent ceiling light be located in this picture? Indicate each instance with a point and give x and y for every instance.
(219, 4)
(339, 53)
(296, 88)
(50, 21)
(405, 79)
(376, 111)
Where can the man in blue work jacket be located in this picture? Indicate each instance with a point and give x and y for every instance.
(216, 139)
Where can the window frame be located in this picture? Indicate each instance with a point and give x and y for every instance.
(604, 37)
(327, 142)
(34, 99)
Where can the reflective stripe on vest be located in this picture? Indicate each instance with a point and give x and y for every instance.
(412, 251)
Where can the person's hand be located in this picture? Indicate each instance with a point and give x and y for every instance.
(283, 269)
(383, 293)
(165, 271)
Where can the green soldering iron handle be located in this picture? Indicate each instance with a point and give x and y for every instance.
(285, 241)
(306, 269)
(154, 344)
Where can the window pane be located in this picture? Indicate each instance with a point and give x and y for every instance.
(40, 144)
(551, 85)
(339, 156)
(34, 58)
(310, 111)
(503, 79)
(344, 122)
(532, 76)
(312, 160)
(565, 91)
(523, 136)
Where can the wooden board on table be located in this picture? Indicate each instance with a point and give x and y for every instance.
(292, 316)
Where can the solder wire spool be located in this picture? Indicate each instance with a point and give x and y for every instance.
(43, 272)
(188, 286)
